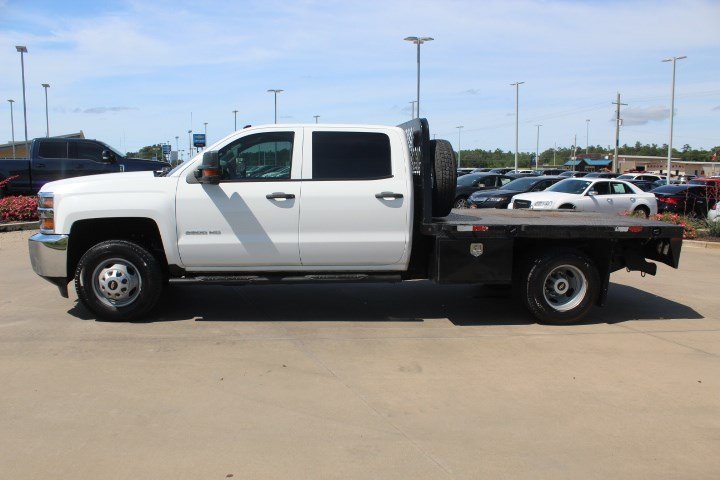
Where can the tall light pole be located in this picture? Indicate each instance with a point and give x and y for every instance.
(235, 113)
(177, 143)
(672, 114)
(537, 148)
(587, 136)
(517, 108)
(275, 91)
(47, 118)
(412, 108)
(23, 49)
(316, 118)
(418, 41)
(206, 139)
(189, 143)
(12, 125)
(459, 127)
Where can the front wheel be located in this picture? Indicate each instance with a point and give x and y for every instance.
(118, 280)
(560, 288)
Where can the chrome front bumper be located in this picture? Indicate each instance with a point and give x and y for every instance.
(48, 255)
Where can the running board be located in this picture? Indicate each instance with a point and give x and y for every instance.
(287, 279)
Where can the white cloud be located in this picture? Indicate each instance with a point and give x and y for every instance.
(642, 116)
(96, 110)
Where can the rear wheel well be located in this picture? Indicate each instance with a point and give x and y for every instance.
(86, 233)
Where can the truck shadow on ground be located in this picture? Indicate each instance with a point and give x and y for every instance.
(407, 302)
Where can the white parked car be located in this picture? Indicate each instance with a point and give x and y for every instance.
(649, 177)
(603, 195)
(713, 214)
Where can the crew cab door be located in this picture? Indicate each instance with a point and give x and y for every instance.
(356, 202)
(251, 218)
(86, 158)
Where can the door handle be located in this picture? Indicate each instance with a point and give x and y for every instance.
(39, 165)
(388, 195)
(609, 200)
(280, 195)
(632, 200)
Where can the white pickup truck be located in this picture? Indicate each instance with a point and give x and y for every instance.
(324, 203)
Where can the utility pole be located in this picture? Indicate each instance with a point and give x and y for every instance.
(574, 152)
(189, 143)
(235, 113)
(206, 140)
(47, 119)
(517, 101)
(554, 152)
(418, 41)
(177, 143)
(412, 108)
(537, 148)
(460, 127)
(617, 132)
(275, 91)
(22, 49)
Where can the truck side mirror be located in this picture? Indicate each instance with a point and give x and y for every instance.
(108, 156)
(210, 168)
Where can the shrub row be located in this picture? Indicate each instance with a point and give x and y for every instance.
(18, 209)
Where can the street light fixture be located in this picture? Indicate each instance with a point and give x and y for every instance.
(275, 91)
(672, 113)
(418, 41)
(235, 113)
(47, 118)
(22, 50)
(12, 125)
(316, 118)
(517, 102)
(459, 127)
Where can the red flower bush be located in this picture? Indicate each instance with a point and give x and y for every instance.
(18, 209)
(689, 232)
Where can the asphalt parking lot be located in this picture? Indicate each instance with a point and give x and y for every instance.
(371, 381)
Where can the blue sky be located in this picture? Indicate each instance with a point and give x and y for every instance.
(130, 72)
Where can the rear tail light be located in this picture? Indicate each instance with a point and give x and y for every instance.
(668, 200)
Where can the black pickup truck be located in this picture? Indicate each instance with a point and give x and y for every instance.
(57, 158)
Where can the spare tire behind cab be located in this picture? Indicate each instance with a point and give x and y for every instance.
(444, 177)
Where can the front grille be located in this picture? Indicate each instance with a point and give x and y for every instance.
(521, 204)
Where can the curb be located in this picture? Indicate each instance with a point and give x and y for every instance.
(16, 226)
(701, 244)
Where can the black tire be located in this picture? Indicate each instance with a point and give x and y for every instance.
(560, 287)
(107, 268)
(642, 209)
(444, 177)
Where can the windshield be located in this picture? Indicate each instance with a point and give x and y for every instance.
(520, 185)
(571, 185)
(114, 150)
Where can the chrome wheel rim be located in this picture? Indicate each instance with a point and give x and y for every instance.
(116, 282)
(461, 203)
(565, 288)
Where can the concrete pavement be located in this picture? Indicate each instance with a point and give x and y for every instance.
(366, 381)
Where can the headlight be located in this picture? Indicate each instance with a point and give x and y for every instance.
(542, 204)
(46, 211)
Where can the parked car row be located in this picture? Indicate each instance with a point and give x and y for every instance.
(594, 193)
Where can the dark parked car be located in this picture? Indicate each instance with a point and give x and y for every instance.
(57, 158)
(602, 175)
(501, 197)
(501, 171)
(573, 173)
(464, 171)
(468, 184)
(553, 171)
(644, 185)
(481, 170)
(692, 200)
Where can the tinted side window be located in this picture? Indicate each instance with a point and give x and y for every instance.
(53, 149)
(350, 156)
(602, 188)
(88, 151)
(262, 156)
